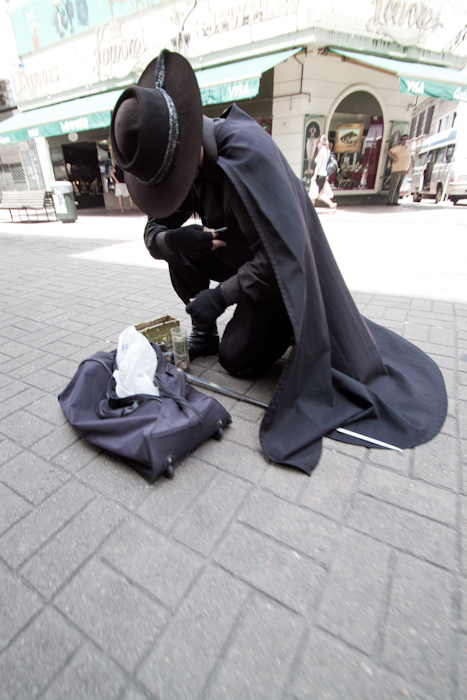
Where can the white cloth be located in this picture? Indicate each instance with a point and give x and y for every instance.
(121, 190)
(136, 365)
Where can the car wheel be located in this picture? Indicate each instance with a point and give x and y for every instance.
(439, 194)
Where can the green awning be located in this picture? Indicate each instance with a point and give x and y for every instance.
(233, 81)
(83, 114)
(415, 78)
(237, 81)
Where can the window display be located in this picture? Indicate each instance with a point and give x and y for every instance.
(356, 133)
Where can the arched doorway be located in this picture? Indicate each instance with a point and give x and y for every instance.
(356, 135)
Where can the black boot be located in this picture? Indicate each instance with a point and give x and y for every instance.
(203, 341)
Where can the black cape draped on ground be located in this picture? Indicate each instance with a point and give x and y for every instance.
(343, 371)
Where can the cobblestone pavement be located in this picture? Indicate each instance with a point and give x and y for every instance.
(239, 578)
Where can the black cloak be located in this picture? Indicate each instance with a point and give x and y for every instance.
(343, 371)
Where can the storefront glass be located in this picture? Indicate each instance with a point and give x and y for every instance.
(355, 134)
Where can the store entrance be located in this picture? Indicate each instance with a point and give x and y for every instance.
(82, 169)
(356, 133)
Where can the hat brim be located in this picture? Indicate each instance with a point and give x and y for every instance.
(180, 83)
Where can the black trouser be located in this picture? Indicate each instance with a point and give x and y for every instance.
(259, 332)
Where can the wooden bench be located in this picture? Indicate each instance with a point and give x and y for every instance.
(28, 202)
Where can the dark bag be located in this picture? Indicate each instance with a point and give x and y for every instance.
(332, 165)
(148, 432)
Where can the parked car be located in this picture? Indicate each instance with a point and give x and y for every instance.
(441, 168)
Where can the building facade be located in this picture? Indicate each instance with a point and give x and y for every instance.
(299, 68)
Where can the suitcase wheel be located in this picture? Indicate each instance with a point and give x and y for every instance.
(220, 430)
(169, 472)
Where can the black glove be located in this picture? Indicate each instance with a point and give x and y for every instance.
(207, 306)
(191, 241)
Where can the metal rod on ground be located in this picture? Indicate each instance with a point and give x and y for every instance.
(248, 399)
(227, 392)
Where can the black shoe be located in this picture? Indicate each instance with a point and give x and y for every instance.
(203, 342)
(389, 204)
(396, 204)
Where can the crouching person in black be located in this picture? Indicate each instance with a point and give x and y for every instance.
(261, 247)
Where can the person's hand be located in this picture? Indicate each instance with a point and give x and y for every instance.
(193, 241)
(208, 304)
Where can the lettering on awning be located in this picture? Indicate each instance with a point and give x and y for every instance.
(80, 124)
(415, 86)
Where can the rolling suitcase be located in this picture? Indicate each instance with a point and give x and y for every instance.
(150, 433)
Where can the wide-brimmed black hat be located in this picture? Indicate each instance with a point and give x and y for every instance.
(156, 134)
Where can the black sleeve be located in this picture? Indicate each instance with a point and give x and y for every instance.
(154, 232)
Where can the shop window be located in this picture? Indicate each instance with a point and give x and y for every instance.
(413, 124)
(429, 118)
(356, 130)
(421, 119)
(454, 116)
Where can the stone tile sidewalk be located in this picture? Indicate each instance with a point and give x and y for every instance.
(238, 579)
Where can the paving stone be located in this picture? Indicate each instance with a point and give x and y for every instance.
(30, 533)
(205, 523)
(399, 462)
(307, 532)
(89, 675)
(463, 419)
(32, 477)
(25, 368)
(280, 572)
(30, 663)
(411, 494)
(56, 561)
(48, 408)
(163, 567)
(168, 500)
(419, 638)
(353, 605)
(242, 432)
(331, 670)
(203, 623)
(284, 482)
(332, 484)
(117, 616)
(133, 693)
(56, 441)
(408, 531)
(461, 656)
(237, 459)
(24, 428)
(463, 534)
(77, 455)
(258, 660)
(416, 332)
(14, 349)
(111, 477)
(18, 604)
(436, 462)
(8, 449)
(12, 509)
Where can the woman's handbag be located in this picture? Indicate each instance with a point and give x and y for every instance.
(150, 433)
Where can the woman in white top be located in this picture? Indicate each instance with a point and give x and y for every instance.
(320, 177)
